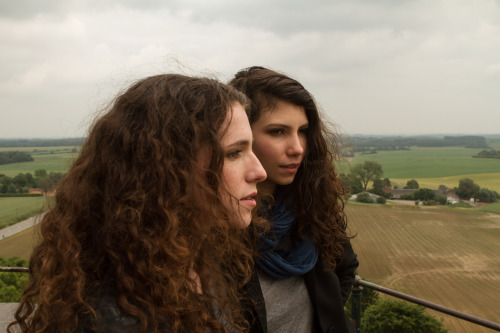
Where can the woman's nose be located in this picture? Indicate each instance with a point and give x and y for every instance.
(296, 145)
(257, 173)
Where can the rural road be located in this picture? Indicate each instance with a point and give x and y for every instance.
(18, 227)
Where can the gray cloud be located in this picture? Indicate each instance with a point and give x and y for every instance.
(375, 66)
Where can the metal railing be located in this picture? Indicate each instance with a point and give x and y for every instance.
(15, 269)
(356, 305)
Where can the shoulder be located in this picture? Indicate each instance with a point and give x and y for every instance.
(110, 317)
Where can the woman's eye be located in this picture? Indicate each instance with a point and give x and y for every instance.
(234, 154)
(276, 131)
(303, 130)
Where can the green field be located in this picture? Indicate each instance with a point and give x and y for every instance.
(15, 209)
(52, 159)
(491, 208)
(431, 162)
(487, 180)
(432, 167)
(446, 256)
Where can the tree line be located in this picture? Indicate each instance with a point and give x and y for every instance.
(492, 153)
(363, 174)
(14, 157)
(24, 181)
(366, 143)
(41, 142)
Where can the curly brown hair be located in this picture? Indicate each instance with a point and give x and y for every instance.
(317, 192)
(137, 212)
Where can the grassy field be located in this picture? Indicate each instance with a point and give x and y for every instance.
(432, 167)
(56, 159)
(17, 209)
(431, 162)
(447, 256)
(487, 180)
(491, 208)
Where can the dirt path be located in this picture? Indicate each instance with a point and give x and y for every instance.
(20, 226)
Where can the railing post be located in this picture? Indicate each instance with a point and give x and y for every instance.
(356, 306)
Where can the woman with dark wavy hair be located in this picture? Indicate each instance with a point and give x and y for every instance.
(306, 265)
(147, 230)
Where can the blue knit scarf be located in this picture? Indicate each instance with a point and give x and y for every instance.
(278, 262)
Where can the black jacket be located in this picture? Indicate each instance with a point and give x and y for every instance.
(328, 292)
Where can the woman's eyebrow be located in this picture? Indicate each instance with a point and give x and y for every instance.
(239, 143)
(278, 125)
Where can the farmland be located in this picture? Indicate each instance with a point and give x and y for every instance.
(18, 245)
(447, 256)
(432, 167)
(55, 159)
(444, 255)
(13, 209)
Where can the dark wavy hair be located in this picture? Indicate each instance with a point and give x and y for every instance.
(136, 212)
(317, 194)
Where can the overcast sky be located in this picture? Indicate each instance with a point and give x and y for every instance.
(374, 66)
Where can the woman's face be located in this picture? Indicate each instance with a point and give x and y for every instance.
(242, 170)
(280, 142)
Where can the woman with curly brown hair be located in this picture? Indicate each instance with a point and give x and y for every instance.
(146, 232)
(306, 265)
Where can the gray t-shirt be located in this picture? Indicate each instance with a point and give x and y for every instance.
(288, 305)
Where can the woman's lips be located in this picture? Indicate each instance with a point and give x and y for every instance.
(249, 200)
(290, 168)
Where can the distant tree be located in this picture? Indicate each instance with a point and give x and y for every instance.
(40, 173)
(12, 188)
(48, 183)
(486, 195)
(412, 184)
(45, 183)
(424, 194)
(466, 188)
(352, 183)
(387, 182)
(388, 316)
(441, 199)
(378, 186)
(14, 157)
(381, 200)
(20, 180)
(56, 177)
(5, 180)
(367, 171)
(488, 154)
(364, 197)
(30, 181)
